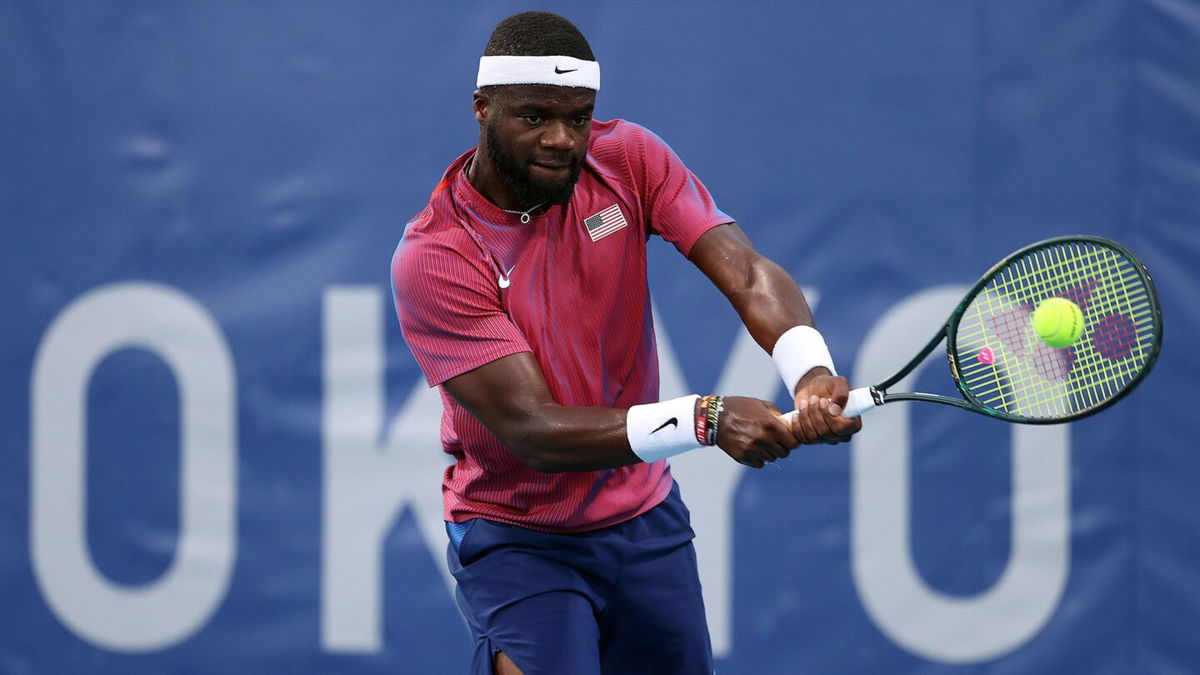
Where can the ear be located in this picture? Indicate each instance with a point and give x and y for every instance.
(482, 105)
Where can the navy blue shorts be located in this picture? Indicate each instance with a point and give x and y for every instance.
(622, 599)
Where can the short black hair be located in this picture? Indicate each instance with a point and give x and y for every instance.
(538, 34)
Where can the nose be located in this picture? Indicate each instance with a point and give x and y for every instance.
(557, 136)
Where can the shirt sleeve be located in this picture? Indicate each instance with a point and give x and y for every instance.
(678, 206)
(449, 311)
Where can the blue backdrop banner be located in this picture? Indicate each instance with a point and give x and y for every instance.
(219, 456)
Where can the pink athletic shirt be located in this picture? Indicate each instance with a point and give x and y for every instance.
(473, 284)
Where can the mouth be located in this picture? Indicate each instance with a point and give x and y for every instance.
(550, 170)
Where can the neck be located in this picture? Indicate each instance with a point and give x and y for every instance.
(484, 177)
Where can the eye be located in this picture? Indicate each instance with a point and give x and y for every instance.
(532, 119)
(581, 120)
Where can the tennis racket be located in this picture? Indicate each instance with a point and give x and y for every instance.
(1004, 370)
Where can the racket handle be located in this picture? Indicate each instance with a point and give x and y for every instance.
(859, 402)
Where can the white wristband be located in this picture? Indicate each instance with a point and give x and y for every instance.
(659, 430)
(797, 351)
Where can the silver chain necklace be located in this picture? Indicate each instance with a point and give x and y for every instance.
(525, 217)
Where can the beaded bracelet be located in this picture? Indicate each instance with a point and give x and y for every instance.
(716, 405)
(702, 420)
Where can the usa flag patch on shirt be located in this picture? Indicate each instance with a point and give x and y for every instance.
(605, 223)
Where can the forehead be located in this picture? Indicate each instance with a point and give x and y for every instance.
(547, 96)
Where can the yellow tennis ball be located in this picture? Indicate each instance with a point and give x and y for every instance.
(1058, 322)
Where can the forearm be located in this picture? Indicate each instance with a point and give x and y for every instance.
(771, 306)
(764, 295)
(769, 302)
(553, 438)
(509, 396)
(749, 430)
(767, 299)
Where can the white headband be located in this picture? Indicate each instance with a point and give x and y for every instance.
(564, 71)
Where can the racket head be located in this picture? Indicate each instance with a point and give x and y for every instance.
(1001, 366)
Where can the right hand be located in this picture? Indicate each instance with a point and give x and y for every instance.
(820, 400)
(753, 433)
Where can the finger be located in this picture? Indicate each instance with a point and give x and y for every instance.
(840, 429)
(818, 417)
(837, 431)
(799, 428)
(752, 461)
(763, 448)
(773, 435)
(803, 424)
(769, 449)
(794, 418)
(840, 438)
(779, 427)
(748, 455)
(839, 392)
(842, 425)
(821, 419)
(843, 428)
(846, 427)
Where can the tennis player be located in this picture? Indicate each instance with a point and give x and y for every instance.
(521, 290)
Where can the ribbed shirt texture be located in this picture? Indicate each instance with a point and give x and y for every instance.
(472, 284)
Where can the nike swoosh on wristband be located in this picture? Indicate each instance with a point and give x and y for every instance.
(564, 72)
(674, 421)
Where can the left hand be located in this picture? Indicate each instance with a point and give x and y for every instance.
(820, 399)
(753, 432)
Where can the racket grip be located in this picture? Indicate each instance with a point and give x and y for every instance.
(859, 402)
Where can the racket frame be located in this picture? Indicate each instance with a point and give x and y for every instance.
(947, 332)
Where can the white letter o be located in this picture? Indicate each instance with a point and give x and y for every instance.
(168, 323)
(924, 621)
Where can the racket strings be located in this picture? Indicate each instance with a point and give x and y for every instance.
(1107, 376)
(1024, 376)
(1093, 382)
(1078, 267)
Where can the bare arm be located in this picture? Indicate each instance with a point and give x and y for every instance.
(763, 294)
(769, 303)
(510, 397)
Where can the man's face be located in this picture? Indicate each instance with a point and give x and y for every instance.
(537, 138)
